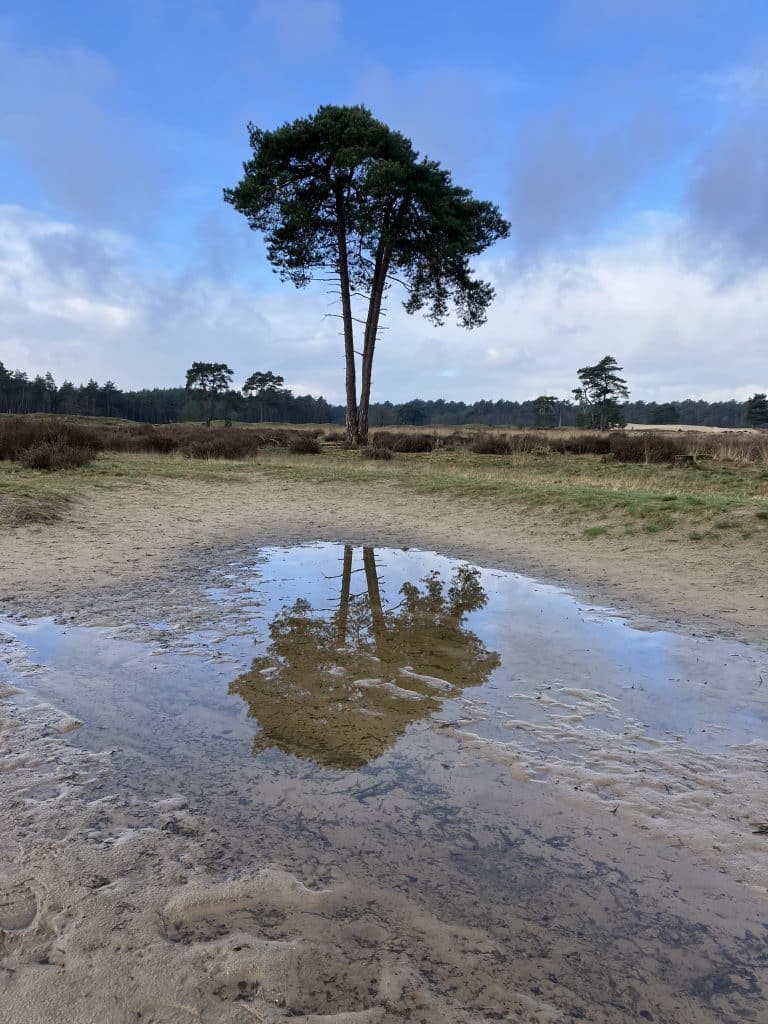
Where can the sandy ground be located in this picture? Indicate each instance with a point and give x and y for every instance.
(137, 536)
(118, 909)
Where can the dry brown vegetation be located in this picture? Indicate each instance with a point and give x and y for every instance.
(305, 445)
(52, 442)
(641, 447)
(404, 441)
(691, 486)
(380, 454)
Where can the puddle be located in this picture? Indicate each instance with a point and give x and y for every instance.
(475, 742)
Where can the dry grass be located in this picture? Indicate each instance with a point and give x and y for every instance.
(54, 442)
(722, 498)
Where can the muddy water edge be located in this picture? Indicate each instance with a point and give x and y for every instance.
(405, 788)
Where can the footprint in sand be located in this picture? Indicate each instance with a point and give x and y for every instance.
(20, 926)
(18, 909)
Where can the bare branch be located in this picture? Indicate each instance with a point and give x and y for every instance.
(341, 317)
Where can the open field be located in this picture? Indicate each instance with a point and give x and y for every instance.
(673, 539)
(726, 489)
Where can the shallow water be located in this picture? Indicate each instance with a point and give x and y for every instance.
(411, 725)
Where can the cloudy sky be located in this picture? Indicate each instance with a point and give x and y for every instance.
(625, 140)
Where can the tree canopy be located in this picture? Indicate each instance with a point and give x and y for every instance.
(757, 410)
(341, 193)
(209, 380)
(599, 394)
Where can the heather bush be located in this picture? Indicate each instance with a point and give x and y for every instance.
(413, 443)
(380, 454)
(490, 444)
(383, 439)
(586, 443)
(646, 447)
(20, 433)
(527, 441)
(218, 444)
(53, 455)
(305, 445)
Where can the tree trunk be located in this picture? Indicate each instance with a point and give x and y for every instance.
(369, 344)
(378, 287)
(346, 587)
(346, 313)
(378, 621)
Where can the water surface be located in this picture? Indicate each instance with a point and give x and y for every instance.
(398, 719)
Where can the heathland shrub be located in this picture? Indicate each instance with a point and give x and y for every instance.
(160, 443)
(587, 443)
(490, 444)
(383, 439)
(20, 433)
(218, 444)
(646, 447)
(456, 439)
(401, 441)
(381, 454)
(305, 445)
(527, 441)
(413, 443)
(52, 455)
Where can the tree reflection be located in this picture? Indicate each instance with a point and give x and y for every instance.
(340, 688)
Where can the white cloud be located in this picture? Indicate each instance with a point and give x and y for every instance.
(80, 304)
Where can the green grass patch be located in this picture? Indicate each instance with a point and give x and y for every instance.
(594, 531)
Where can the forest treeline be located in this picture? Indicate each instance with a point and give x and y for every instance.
(41, 394)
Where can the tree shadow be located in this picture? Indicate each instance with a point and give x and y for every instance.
(339, 688)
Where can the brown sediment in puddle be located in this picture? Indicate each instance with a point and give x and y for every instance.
(486, 851)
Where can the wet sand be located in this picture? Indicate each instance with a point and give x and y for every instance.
(501, 889)
(148, 535)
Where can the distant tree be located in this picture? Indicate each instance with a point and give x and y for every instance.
(90, 397)
(599, 394)
(667, 412)
(266, 388)
(233, 400)
(109, 398)
(342, 194)
(66, 399)
(414, 413)
(207, 381)
(757, 410)
(545, 409)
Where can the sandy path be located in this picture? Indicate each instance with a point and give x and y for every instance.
(143, 533)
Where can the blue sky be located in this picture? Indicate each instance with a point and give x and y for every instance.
(625, 140)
